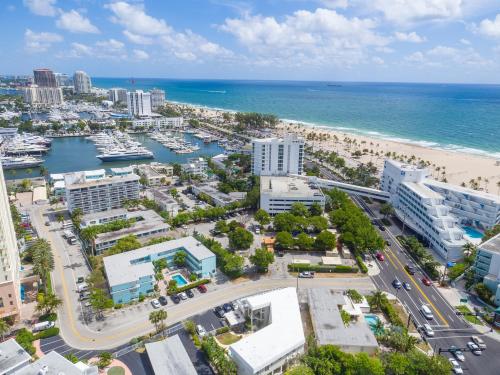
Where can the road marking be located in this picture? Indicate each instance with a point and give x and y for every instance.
(388, 250)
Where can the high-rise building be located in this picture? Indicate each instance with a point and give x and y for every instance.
(10, 301)
(37, 95)
(44, 78)
(157, 98)
(139, 103)
(81, 82)
(117, 95)
(63, 79)
(278, 156)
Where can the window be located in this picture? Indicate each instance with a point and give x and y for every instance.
(1, 302)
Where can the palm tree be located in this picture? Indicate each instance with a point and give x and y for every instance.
(60, 219)
(48, 303)
(157, 318)
(377, 299)
(43, 260)
(4, 328)
(378, 328)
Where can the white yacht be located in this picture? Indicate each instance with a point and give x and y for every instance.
(9, 162)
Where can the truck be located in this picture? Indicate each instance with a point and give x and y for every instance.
(42, 326)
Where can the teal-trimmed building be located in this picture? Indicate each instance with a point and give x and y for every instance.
(132, 274)
(487, 266)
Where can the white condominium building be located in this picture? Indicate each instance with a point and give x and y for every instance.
(46, 96)
(278, 156)
(487, 266)
(82, 83)
(157, 98)
(159, 122)
(278, 194)
(445, 215)
(139, 103)
(92, 191)
(117, 95)
(10, 302)
(195, 166)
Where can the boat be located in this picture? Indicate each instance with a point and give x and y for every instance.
(121, 154)
(9, 162)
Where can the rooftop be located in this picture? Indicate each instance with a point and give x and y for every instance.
(291, 186)
(492, 245)
(169, 357)
(124, 170)
(104, 214)
(55, 364)
(329, 326)
(482, 194)
(77, 180)
(12, 355)
(283, 335)
(422, 190)
(120, 270)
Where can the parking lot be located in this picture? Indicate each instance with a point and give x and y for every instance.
(57, 343)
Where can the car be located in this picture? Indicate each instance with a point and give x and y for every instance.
(80, 279)
(201, 331)
(183, 296)
(281, 253)
(429, 332)
(381, 227)
(175, 298)
(457, 353)
(455, 366)
(410, 268)
(306, 275)
(257, 231)
(426, 312)
(426, 281)
(474, 348)
(47, 223)
(163, 300)
(396, 284)
(380, 257)
(479, 342)
(202, 288)
(190, 293)
(219, 311)
(227, 307)
(407, 285)
(155, 303)
(388, 243)
(84, 296)
(234, 305)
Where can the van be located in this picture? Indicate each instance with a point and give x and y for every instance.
(428, 330)
(42, 326)
(426, 312)
(83, 287)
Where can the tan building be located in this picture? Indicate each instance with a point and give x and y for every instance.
(10, 299)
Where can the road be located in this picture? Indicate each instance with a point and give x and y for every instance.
(449, 328)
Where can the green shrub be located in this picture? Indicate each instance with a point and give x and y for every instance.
(457, 270)
(118, 306)
(52, 317)
(49, 332)
(188, 286)
(221, 330)
(25, 338)
(141, 298)
(354, 295)
(299, 267)
(361, 264)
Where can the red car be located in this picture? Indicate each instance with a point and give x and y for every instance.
(426, 281)
(202, 288)
(380, 257)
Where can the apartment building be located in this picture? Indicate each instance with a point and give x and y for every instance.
(139, 103)
(157, 98)
(10, 300)
(159, 122)
(44, 77)
(93, 191)
(195, 167)
(82, 82)
(487, 266)
(44, 96)
(117, 95)
(278, 156)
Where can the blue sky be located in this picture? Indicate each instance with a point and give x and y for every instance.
(357, 40)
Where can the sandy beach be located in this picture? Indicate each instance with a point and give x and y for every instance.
(475, 171)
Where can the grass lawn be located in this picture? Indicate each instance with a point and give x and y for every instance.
(470, 318)
(228, 338)
(116, 371)
(402, 315)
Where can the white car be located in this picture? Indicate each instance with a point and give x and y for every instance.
(155, 303)
(455, 366)
(306, 275)
(479, 342)
(428, 330)
(457, 353)
(183, 296)
(201, 331)
(474, 348)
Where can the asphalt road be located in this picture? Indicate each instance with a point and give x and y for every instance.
(450, 329)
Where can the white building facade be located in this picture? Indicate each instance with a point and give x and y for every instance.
(44, 96)
(117, 95)
(157, 98)
(82, 82)
(159, 122)
(139, 103)
(278, 156)
(487, 266)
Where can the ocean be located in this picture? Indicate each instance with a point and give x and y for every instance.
(448, 116)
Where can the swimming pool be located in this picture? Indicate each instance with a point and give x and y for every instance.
(181, 281)
(372, 321)
(472, 233)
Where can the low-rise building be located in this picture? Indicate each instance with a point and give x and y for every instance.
(148, 224)
(195, 167)
(12, 357)
(153, 178)
(103, 217)
(169, 357)
(218, 198)
(278, 338)
(219, 160)
(124, 171)
(278, 194)
(164, 199)
(132, 274)
(159, 122)
(55, 364)
(487, 265)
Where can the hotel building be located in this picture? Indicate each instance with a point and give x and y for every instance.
(117, 95)
(45, 96)
(82, 83)
(44, 77)
(278, 156)
(139, 103)
(157, 98)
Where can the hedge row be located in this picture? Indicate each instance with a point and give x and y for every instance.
(361, 264)
(299, 267)
(188, 286)
(391, 314)
(49, 332)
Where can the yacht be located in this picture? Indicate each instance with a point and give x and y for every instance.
(122, 154)
(9, 162)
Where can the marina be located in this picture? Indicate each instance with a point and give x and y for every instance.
(175, 142)
(114, 146)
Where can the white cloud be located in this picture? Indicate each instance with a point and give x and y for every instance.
(40, 42)
(465, 41)
(489, 27)
(103, 49)
(410, 11)
(377, 60)
(137, 39)
(41, 7)
(412, 37)
(110, 45)
(191, 46)
(444, 56)
(320, 37)
(188, 56)
(80, 50)
(140, 54)
(135, 20)
(332, 4)
(416, 57)
(76, 23)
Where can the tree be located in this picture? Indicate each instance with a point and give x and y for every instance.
(221, 226)
(377, 300)
(4, 328)
(43, 259)
(304, 242)
(317, 223)
(240, 239)
(386, 209)
(262, 217)
(284, 222)
(76, 217)
(60, 219)
(325, 241)
(174, 192)
(180, 258)
(315, 209)
(100, 301)
(105, 360)
(284, 240)
(47, 303)
(158, 318)
(262, 259)
(300, 370)
(299, 209)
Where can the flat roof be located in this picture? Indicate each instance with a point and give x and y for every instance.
(12, 355)
(464, 190)
(122, 170)
(77, 180)
(39, 193)
(492, 245)
(283, 335)
(104, 214)
(288, 186)
(329, 326)
(120, 270)
(169, 357)
(56, 364)
(422, 190)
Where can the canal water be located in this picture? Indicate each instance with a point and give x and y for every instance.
(70, 154)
